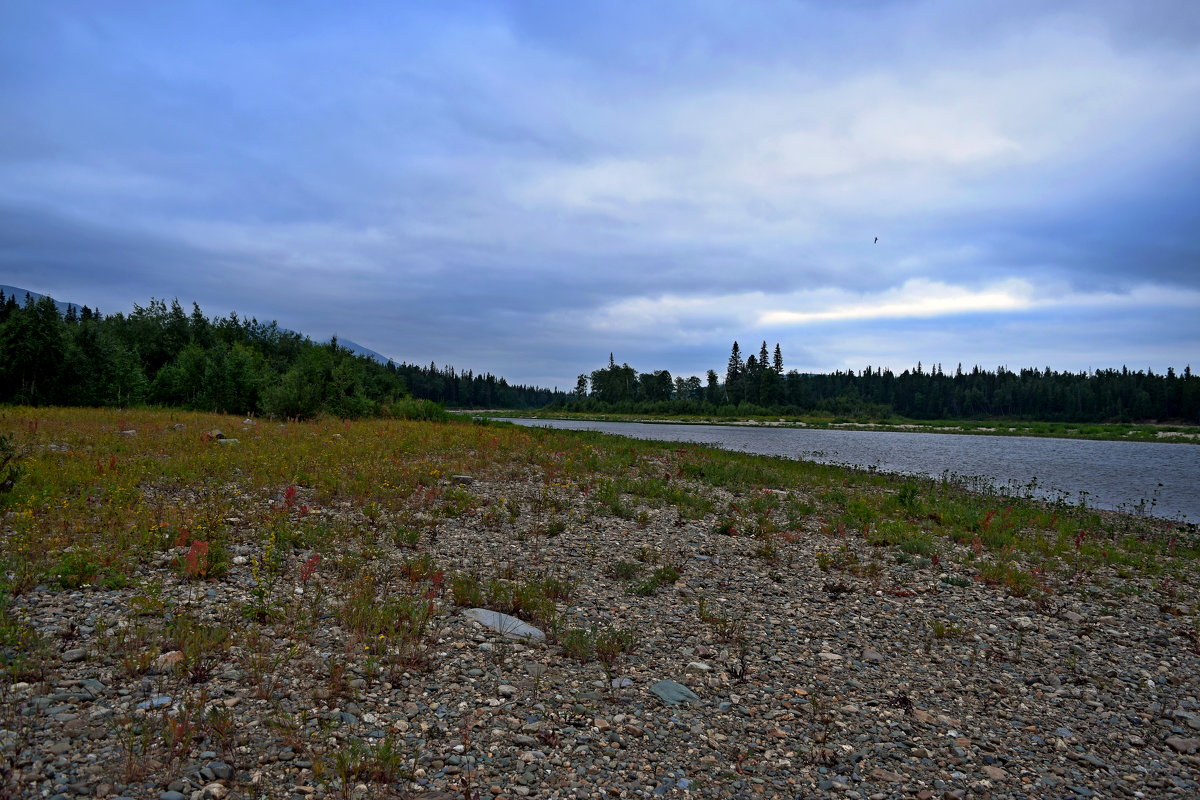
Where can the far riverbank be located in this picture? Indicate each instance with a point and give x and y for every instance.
(1112, 432)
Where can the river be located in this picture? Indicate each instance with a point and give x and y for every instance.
(1138, 477)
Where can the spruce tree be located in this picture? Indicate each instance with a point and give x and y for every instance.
(712, 391)
(750, 383)
(734, 373)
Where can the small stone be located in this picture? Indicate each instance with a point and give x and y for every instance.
(157, 701)
(881, 774)
(221, 770)
(1022, 623)
(168, 660)
(824, 656)
(995, 773)
(506, 690)
(873, 656)
(462, 480)
(698, 666)
(74, 655)
(1182, 745)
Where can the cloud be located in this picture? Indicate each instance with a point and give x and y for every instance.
(522, 186)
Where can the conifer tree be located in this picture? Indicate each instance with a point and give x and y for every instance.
(712, 389)
(734, 374)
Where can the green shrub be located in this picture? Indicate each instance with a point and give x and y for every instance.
(578, 643)
(623, 570)
(466, 591)
(10, 469)
(413, 409)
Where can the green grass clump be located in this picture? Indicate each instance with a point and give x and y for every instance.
(606, 644)
(623, 570)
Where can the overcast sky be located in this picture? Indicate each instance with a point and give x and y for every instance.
(525, 187)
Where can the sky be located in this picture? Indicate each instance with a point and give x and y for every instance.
(523, 188)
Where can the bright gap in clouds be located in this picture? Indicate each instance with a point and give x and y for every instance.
(921, 298)
(917, 298)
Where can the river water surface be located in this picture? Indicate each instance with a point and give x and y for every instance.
(1158, 479)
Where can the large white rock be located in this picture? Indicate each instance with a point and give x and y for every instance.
(504, 624)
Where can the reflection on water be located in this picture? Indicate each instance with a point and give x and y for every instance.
(1145, 477)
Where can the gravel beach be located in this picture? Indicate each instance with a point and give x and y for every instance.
(812, 675)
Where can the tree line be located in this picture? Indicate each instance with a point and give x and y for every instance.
(161, 355)
(758, 384)
(467, 389)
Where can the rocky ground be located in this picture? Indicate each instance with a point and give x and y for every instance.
(823, 668)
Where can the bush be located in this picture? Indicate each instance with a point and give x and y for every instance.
(423, 410)
(10, 469)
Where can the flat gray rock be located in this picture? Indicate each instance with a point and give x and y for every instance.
(1182, 745)
(504, 624)
(673, 693)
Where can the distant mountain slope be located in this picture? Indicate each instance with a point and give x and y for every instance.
(19, 293)
(359, 350)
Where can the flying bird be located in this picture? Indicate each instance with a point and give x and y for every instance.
(876, 240)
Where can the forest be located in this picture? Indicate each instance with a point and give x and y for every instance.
(161, 355)
(759, 385)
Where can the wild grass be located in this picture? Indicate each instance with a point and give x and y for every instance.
(91, 503)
